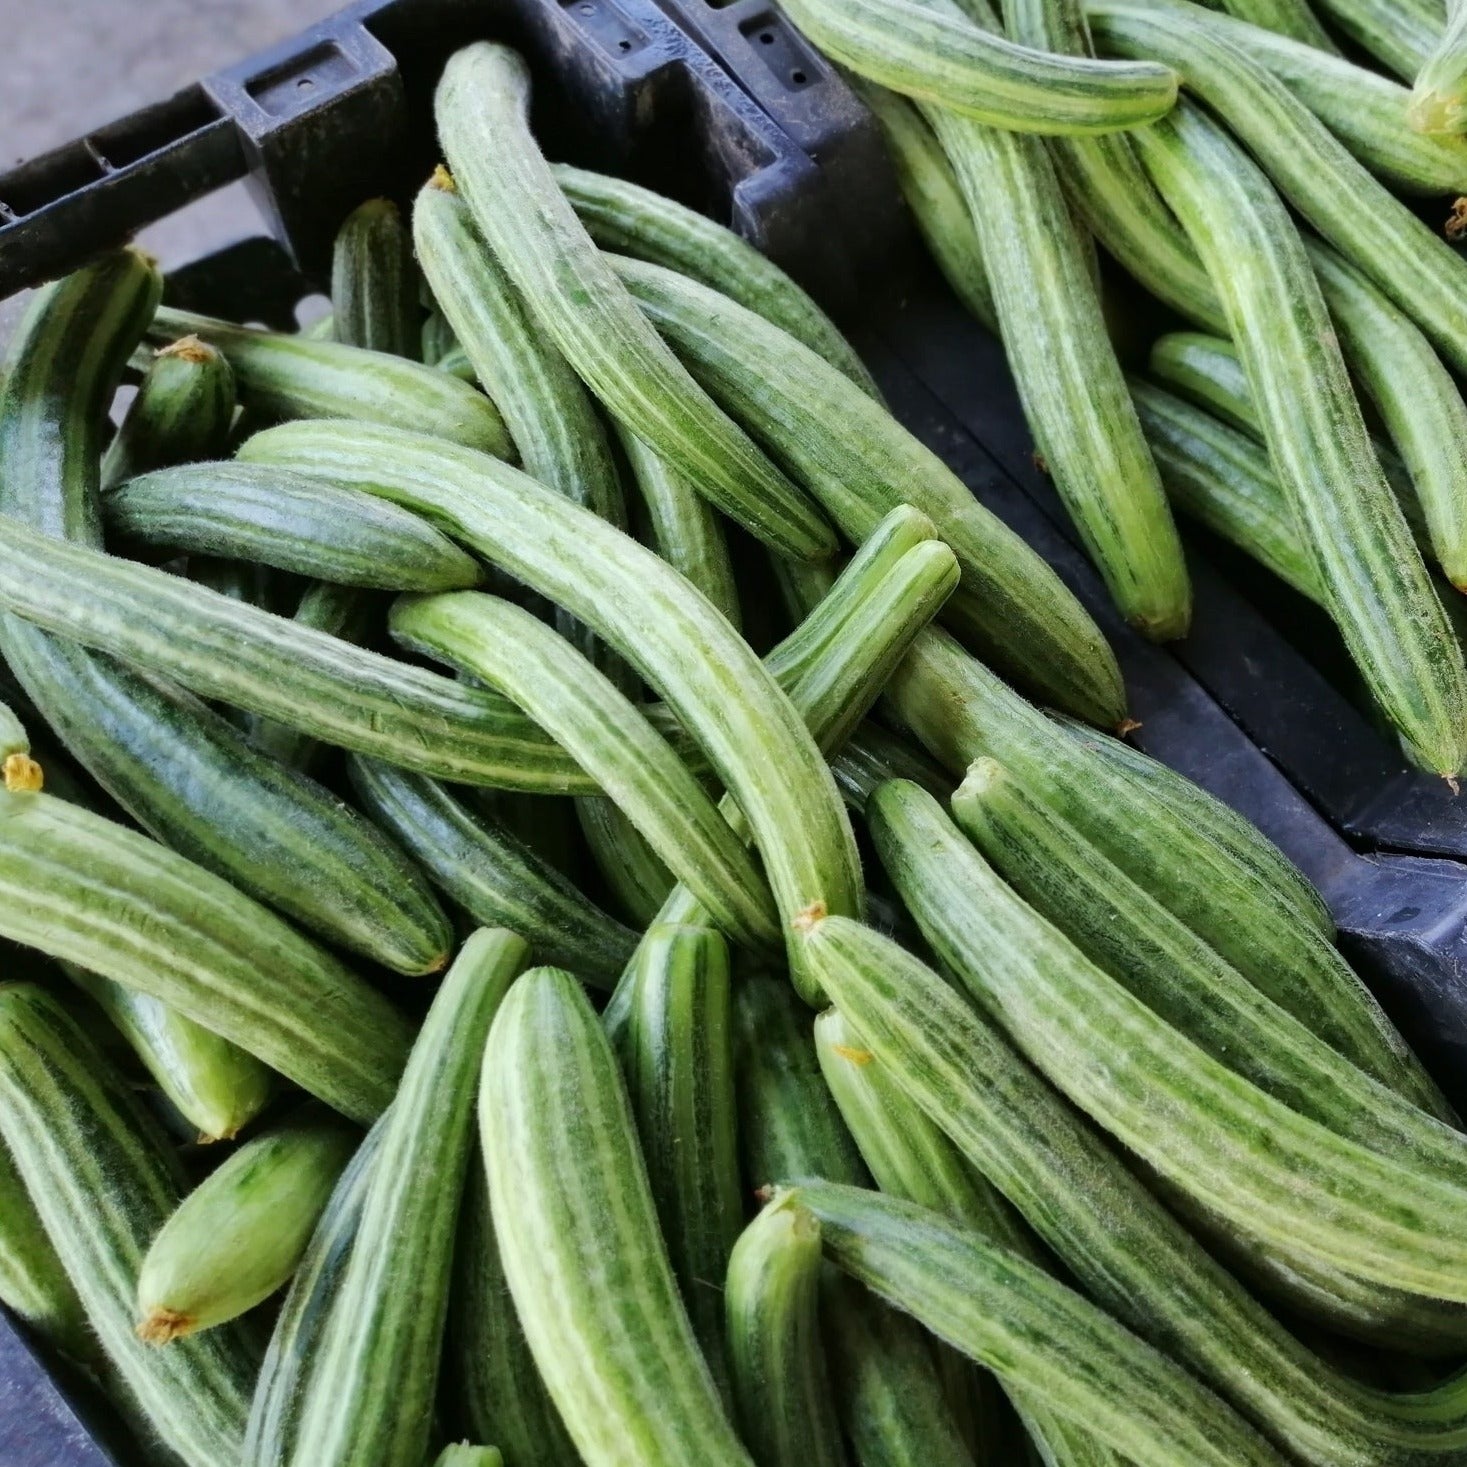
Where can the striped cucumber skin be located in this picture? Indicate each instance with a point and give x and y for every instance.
(1066, 370)
(581, 709)
(578, 1234)
(483, 868)
(1292, 18)
(1011, 1315)
(183, 411)
(781, 1384)
(214, 1085)
(752, 734)
(490, 1374)
(627, 219)
(88, 891)
(1400, 34)
(457, 364)
(1121, 1244)
(482, 111)
(291, 522)
(1206, 370)
(103, 1179)
(283, 376)
(374, 282)
(1197, 1122)
(465, 1454)
(1380, 596)
(862, 463)
(678, 1063)
(370, 1399)
(438, 341)
(238, 1236)
(294, 1349)
(939, 56)
(874, 754)
(635, 874)
(1439, 97)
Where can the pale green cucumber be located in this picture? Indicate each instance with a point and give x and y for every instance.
(1292, 18)
(634, 873)
(183, 411)
(464, 1454)
(371, 1396)
(86, 890)
(578, 1234)
(1398, 33)
(281, 376)
(1207, 371)
(781, 1385)
(291, 522)
(103, 1179)
(457, 364)
(630, 220)
(374, 282)
(482, 107)
(862, 463)
(1439, 97)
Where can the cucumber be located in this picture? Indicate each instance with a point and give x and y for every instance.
(862, 463)
(463, 1454)
(491, 874)
(627, 219)
(873, 754)
(635, 874)
(22, 774)
(370, 1399)
(103, 1179)
(578, 1234)
(238, 1236)
(1291, 18)
(1439, 97)
(183, 411)
(781, 1385)
(438, 341)
(281, 376)
(481, 107)
(86, 890)
(290, 522)
(1207, 371)
(323, 328)
(1400, 34)
(374, 282)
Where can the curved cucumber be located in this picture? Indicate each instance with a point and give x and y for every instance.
(374, 282)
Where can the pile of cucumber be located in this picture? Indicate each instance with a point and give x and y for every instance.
(567, 895)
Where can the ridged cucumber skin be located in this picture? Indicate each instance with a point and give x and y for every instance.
(627, 219)
(238, 1236)
(86, 890)
(579, 1238)
(772, 1304)
(582, 710)
(282, 376)
(1121, 1244)
(753, 736)
(1207, 371)
(493, 876)
(183, 411)
(103, 1179)
(213, 1084)
(294, 1349)
(465, 1454)
(679, 1068)
(438, 341)
(1292, 18)
(1014, 1317)
(374, 282)
(941, 57)
(291, 522)
(1399, 35)
(482, 110)
(862, 463)
(874, 754)
(371, 1396)
(634, 873)
(1439, 97)
(491, 1377)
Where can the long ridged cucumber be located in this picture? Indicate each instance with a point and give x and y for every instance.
(183, 411)
(1398, 33)
(482, 107)
(238, 1236)
(84, 889)
(573, 1209)
(862, 463)
(292, 377)
(294, 523)
(1291, 18)
(371, 1396)
(374, 282)
(781, 1384)
(103, 1180)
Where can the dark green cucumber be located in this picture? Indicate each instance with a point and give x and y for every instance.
(371, 1396)
(634, 873)
(374, 282)
(439, 343)
(1398, 33)
(465, 1454)
(874, 754)
(1291, 18)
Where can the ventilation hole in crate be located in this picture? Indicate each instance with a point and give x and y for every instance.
(780, 49)
(295, 85)
(611, 30)
(766, 37)
(799, 78)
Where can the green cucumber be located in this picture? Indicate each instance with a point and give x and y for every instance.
(862, 463)
(103, 1179)
(1291, 18)
(374, 282)
(1207, 371)
(183, 411)
(630, 220)
(86, 890)
(439, 343)
(283, 376)
(482, 106)
(1400, 34)
(635, 874)
(21, 773)
(873, 754)
(781, 1385)
(291, 522)
(1439, 96)
(578, 1233)
(371, 1396)
(457, 364)
(464, 1454)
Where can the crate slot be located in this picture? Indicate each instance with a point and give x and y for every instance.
(54, 176)
(133, 138)
(777, 46)
(611, 30)
(303, 82)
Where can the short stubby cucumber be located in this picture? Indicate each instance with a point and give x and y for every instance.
(375, 282)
